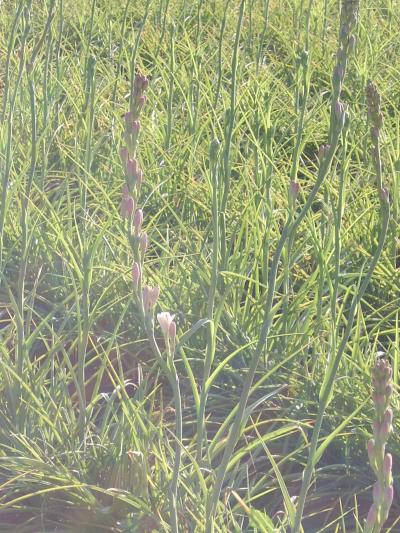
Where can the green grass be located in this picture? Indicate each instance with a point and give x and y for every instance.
(256, 75)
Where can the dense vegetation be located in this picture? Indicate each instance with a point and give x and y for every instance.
(270, 198)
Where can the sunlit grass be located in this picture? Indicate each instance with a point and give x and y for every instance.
(65, 262)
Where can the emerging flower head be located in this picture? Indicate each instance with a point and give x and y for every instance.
(166, 320)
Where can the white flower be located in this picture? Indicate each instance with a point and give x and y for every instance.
(165, 320)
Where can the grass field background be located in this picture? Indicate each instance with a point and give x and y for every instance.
(256, 75)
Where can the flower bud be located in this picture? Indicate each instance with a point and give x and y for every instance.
(294, 189)
(150, 297)
(379, 400)
(377, 493)
(136, 274)
(338, 74)
(388, 416)
(135, 128)
(129, 117)
(131, 168)
(371, 518)
(387, 465)
(141, 101)
(125, 190)
(138, 221)
(384, 431)
(388, 496)
(127, 206)
(143, 243)
(139, 178)
(371, 451)
(352, 43)
(172, 330)
(124, 155)
(340, 113)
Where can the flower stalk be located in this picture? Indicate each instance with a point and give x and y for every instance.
(145, 296)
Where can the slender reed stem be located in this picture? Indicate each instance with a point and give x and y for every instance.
(211, 332)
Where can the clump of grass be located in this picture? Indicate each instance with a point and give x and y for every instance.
(193, 354)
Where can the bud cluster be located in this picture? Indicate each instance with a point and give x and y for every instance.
(381, 462)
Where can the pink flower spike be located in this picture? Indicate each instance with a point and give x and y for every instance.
(136, 274)
(165, 320)
(138, 221)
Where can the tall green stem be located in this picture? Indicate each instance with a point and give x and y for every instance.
(211, 332)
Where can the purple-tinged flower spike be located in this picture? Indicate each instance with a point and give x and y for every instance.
(150, 297)
(381, 462)
(136, 275)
